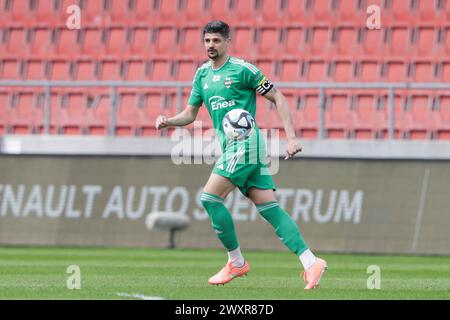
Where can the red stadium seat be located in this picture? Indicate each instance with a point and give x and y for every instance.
(93, 44)
(194, 13)
(428, 10)
(120, 11)
(423, 71)
(67, 42)
(24, 112)
(395, 71)
(267, 67)
(347, 41)
(17, 41)
(349, 12)
(161, 70)
(150, 106)
(446, 71)
(420, 124)
(369, 70)
(143, 9)
(45, 12)
(127, 114)
(11, 69)
(294, 40)
(98, 114)
(140, 41)
(446, 11)
(3, 45)
(4, 112)
(85, 70)
(399, 116)
(135, 70)
(426, 40)
(110, 70)
(401, 10)
(168, 10)
(400, 40)
(316, 70)
(270, 13)
(290, 70)
(35, 70)
(19, 11)
(320, 42)
(321, 10)
(373, 42)
(308, 114)
(92, 11)
(342, 70)
(117, 43)
(219, 9)
(267, 40)
(191, 42)
(59, 70)
(443, 128)
(446, 43)
(166, 40)
(338, 116)
(366, 115)
(297, 13)
(185, 70)
(170, 101)
(242, 41)
(41, 43)
(243, 10)
(71, 112)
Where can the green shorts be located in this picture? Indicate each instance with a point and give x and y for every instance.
(243, 162)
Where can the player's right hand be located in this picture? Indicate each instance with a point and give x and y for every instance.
(162, 122)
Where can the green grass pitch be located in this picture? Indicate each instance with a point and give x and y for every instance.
(114, 273)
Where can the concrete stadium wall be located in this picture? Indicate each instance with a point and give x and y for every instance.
(346, 205)
(192, 145)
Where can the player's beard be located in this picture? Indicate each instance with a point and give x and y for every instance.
(214, 55)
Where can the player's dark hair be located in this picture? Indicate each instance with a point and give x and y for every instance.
(217, 27)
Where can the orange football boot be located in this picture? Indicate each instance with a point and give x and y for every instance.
(228, 273)
(313, 275)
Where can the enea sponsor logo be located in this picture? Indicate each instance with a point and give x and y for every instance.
(218, 102)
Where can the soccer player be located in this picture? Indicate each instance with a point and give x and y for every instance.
(222, 84)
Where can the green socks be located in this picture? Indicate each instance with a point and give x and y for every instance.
(285, 228)
(221, 220)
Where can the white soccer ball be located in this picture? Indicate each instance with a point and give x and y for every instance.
(238, 124)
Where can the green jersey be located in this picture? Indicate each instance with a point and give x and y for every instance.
(232, 86)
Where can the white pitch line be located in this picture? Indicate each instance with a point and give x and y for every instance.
(138, 296)
(420, 209)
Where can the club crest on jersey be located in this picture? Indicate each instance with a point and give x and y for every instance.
(216, 78)
(228, 82)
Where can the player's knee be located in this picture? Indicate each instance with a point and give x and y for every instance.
(210, 201)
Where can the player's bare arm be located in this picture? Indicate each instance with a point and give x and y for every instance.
(184, 118)
(277, 97)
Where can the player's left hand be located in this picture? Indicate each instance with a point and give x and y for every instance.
(292, 147)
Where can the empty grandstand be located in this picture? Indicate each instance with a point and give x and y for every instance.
(292, 41)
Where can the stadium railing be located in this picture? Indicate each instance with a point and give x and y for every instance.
(179, 86)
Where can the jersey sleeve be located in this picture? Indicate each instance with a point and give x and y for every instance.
(195, 98)
(255, 79)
